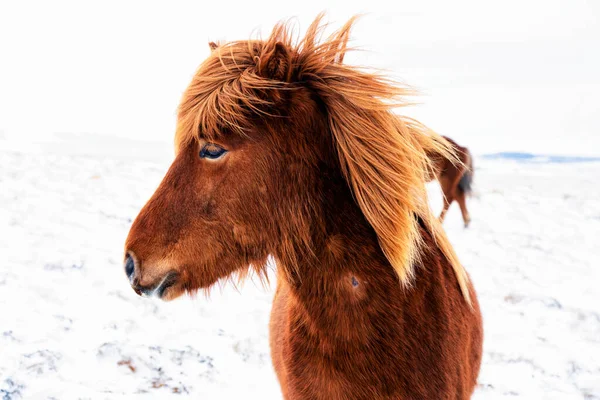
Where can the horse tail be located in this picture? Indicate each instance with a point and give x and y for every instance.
(466, 181)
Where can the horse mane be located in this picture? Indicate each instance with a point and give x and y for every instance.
(385, 158)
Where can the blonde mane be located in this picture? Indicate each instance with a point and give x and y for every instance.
(384, 157)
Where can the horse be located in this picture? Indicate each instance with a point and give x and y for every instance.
(285, 151)
(455, 176)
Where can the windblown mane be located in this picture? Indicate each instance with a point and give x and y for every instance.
(383, 156)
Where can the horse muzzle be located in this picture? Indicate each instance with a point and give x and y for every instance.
(157, 289)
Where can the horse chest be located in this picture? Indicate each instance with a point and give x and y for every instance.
(312, 367)
(416, 355)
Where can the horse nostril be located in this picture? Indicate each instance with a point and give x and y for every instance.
(129, 267)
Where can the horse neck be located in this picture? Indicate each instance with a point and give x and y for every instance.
(348, 269)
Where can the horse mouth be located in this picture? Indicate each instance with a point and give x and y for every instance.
(161, 289)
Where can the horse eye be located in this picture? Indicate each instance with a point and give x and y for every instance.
(212, 151)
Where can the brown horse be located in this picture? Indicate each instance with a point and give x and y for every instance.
(455, 176)
(283, 150)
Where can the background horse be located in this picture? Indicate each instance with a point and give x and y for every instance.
(283, 150)
(455, 178)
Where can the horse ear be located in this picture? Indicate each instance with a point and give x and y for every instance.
(276, 63)
(213, 46)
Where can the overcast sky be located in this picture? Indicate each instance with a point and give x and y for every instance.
(510, 75)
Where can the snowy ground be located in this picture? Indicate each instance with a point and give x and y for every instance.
(70, 326)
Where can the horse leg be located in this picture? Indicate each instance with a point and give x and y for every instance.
(446, 185)
(449, 184)
(447, 201)
(461, 199)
